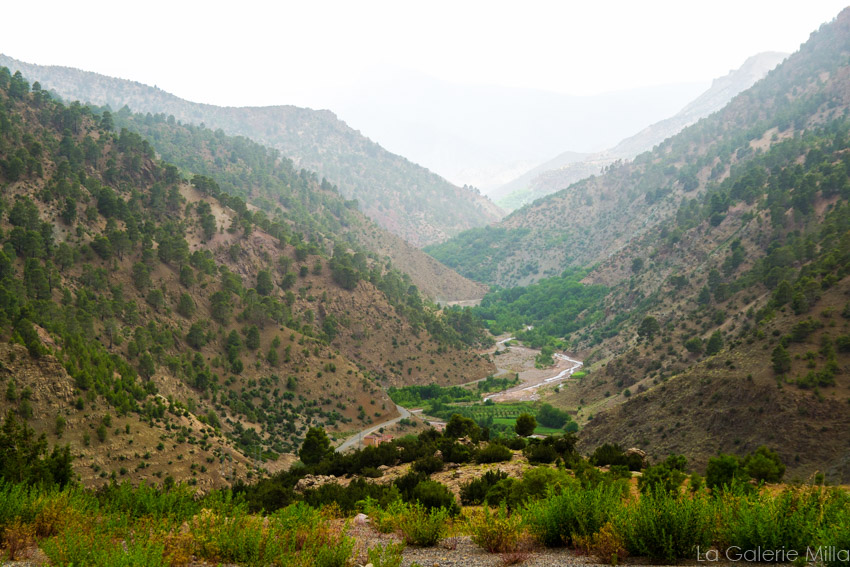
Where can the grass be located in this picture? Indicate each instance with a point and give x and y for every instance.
(145, 526)
(539, 430)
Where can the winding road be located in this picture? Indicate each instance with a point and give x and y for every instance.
(523, 391)
(356, 440)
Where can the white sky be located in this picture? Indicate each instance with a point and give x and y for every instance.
(262, 53)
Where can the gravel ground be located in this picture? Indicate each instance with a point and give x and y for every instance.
(468, 554)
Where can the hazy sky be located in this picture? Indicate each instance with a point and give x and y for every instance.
(260, 53)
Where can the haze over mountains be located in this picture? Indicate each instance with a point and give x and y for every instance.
(485, 135)
(570, 166)
(404, 198)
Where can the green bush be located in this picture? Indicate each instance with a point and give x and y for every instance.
(475, 491)
(666, 526)
(539, 453)
(433, 495)
(422, 527)
(792, 519)
(507, 492)
(428, 465)
(497, 533)
(611, 454)
(389, 555)
(493, 453)
(722, 471)
(574, 511)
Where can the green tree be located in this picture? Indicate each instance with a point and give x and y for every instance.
(220, 307)
(196, 337)
(24, 457)
(147, 366)
(648, 328)
(715, 343)
(252, 337)
(459, 426)
(764, 465)
(187, 275)
(781, 359)
(272, 357)
(637, 265)
(316, 446)
(694, 345)
(186, 305)
(525, 425)
(141, 276)
(265, 285)
(721, 471)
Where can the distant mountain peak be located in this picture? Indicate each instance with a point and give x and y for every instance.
(569, 167)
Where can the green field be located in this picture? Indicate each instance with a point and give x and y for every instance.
(540, 430)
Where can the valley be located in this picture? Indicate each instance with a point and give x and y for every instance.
(253, 336)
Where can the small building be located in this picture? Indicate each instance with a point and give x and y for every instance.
(374, 439)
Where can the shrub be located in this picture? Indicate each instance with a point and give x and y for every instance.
(665, 526)
(791, 519)
(428, 465)
(389, 555)
(611, 454)
(493, 453)
(661, 477)
(475, 491)
(421, 526)
(607, 545)
(497, 533)
(722, 471)
(764, 465)
(507, 491)
(538, 481)
(433, 495)
(557, 520)
(539, 453)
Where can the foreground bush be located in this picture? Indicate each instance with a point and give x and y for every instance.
(497, 533)
(422, 527)
(666, 526)
(558, 519)
(795, 519)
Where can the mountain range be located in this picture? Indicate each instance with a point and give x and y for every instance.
(485, 136)
(164, 327)
(406, 199)
(723, 256)
(569, 167)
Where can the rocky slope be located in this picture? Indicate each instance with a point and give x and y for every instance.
(167, 328)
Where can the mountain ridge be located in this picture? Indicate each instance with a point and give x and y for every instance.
(569, 167)
(388, 187)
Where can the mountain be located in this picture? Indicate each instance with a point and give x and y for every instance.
(402, 197)
(169, 328)
(265, 179)
(722, 259)
(569, 167)
(485, 136)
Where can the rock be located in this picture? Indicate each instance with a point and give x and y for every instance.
(313, 481)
